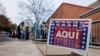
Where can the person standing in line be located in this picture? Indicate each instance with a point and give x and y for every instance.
(18, 32)
(10, 33)
(14, 33)
(44, 29)
(36, 31)
(27, 33)
(22, 30)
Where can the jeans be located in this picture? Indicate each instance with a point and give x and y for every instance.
(36, 34)
(23, 36)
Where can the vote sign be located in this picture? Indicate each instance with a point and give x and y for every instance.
(71, 33)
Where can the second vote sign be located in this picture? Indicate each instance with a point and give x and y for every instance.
(71, 33)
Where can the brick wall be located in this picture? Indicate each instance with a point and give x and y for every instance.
(69, 11)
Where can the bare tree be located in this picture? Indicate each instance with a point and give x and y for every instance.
(2, 9)
(35, 9)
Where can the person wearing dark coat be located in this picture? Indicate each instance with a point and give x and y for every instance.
(27, 33)
(43, 31)
(18, 32)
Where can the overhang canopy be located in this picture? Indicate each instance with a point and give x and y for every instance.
(91, 12)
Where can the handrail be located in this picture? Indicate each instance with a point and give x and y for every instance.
(96, 21)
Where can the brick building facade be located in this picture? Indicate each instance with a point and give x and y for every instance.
(67, 10)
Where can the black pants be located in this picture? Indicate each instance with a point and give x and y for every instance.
(27, 36)
(18, 35)
(43, 36)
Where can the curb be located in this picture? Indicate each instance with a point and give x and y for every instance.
(39, 49)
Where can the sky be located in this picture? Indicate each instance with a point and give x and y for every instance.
(13, 10)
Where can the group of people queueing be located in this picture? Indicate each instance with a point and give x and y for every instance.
(23, 31)
(40, 31)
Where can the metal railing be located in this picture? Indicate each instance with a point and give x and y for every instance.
(95, 34)
(42, 34)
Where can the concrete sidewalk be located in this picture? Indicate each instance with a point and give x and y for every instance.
(29, 48)
(19, 48)
(50, 50)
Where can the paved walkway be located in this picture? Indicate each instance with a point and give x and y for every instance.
(50, 50)
(19, 48)
(28, 48)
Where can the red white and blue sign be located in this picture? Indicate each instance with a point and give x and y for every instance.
(71, 33)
